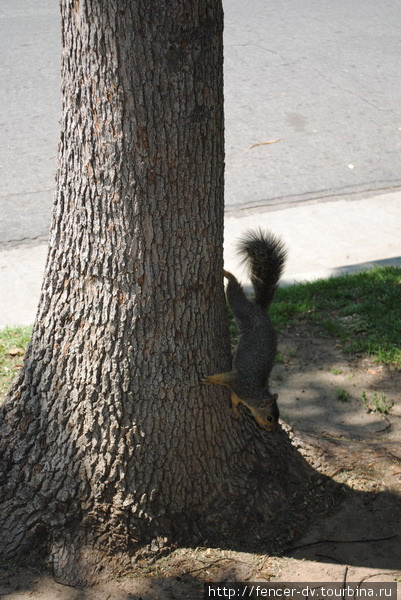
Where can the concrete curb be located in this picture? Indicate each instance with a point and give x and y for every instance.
(323, 239)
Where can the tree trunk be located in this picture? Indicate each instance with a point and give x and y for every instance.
(108, 440)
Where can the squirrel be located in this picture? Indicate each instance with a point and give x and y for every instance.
(265, 255)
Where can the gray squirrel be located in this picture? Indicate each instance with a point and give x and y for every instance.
(264, 255)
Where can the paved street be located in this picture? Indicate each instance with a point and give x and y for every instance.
(321, 77)
(29, 114)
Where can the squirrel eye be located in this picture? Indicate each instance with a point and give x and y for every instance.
(270, 419)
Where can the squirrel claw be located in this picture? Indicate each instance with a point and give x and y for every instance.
(235, 412)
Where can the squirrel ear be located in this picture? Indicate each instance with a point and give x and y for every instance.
(271, 399)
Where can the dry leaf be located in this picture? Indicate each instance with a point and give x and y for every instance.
(15, 352)
(264, 143)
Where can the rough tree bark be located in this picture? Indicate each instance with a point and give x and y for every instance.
(108, 440)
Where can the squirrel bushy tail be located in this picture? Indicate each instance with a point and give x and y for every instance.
(264, 254)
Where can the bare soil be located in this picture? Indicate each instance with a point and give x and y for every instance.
(321, 399)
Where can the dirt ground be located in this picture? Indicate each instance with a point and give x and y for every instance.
(323, 396)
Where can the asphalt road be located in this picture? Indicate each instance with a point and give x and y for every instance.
(321, 77)
(29, 115)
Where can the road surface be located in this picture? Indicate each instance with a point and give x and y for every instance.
(320, 77)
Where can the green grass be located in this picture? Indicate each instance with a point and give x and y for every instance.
(362, 311)
(376, 403)
(13, 342)
(341, 395)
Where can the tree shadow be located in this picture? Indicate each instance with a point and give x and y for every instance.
(342, 526)
(395, 261)
(363, 532)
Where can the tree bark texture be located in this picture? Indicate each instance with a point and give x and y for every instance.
(108, 440)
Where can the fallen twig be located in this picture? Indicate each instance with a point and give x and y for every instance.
(264, 143)
(344, 579)
(387, 426)
(207, 566)
(336, 560)
(393, 455)
(375, 575)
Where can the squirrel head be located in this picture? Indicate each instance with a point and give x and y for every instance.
(267, 413)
